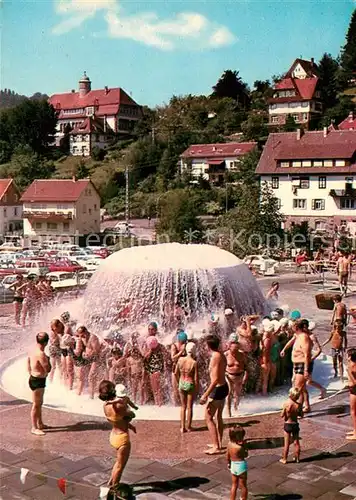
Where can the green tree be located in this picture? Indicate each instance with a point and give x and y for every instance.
(247, 169)
(26, 166)
(167, 168)
(328, 68)
(231, 85)
(347, 72)
(339, 112)
(31, 123)
(290, 125)
(5, 151)
(82, 171)
(178, 219)
(255, 127)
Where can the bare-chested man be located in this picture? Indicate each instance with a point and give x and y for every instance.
(343, 270)
(38, 366)
(351, 372)
(86, 359)
(236, 374)
(215, 394)
(18, 297)
(301, 357)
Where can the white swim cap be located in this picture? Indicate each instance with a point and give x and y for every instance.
(283, 322)
(120, 390)
(228, 312)
(265, 322)
(311, 326)
(191, 348)
(274, 315)
(276, 324)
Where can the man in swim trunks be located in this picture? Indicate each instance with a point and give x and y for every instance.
(18, 297)
(215, 394)
(340, 311)
(38, 366)
(86, 354)
(351, 371)
(343, 270)
(236, 374)
(338, 339)
(301, 358)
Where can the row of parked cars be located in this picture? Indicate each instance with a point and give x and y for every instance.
(67, 266)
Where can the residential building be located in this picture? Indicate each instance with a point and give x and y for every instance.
(313, 176)
(115, 109)
(10, 207)
(212, 161)
(349, 123)
(60, 209)
(296, 95)
(93, 132)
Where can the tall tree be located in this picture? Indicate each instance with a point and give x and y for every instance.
(328, 69)
(347, 71)
(290, 125)
(231, 85)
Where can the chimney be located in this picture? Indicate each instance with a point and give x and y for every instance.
(300, 133)
(312, 60)
(74, 179)
(106, 90)
(325, 131)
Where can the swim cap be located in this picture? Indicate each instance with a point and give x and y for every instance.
(154, 324)
(284, 321)
(312, 325)
(152, 342)
(233, 338)
(65, 316)
(191, 348)
(276, 324)
(295, 315)
(120, 390)
(274, 315)
(285, 308)
(228, 312)
(265, 322)
(270, 328)
(182, 337)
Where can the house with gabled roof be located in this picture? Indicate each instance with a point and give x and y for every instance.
(297, 95)
(60, 210)
(10, 207)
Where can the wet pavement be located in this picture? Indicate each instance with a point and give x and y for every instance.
(165, 464)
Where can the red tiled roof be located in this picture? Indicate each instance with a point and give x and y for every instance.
(349, 123)
(305, 89)
(107, 101)
(4, 185)
(337, 144)
(55, 190)
(212, 151)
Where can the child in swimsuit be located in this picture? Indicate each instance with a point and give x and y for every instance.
(290, 412)
(236, 459)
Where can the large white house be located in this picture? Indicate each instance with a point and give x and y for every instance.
(113, 108)
(313, 175)
(212, 161)
(296, 95)
(10, 208)
(60, 209)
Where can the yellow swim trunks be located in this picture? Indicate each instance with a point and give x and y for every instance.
(119, 439)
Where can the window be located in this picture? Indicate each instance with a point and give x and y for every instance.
(306, 163)
(317, 163)
(328, 163)
(16, 197)
(275, 182)
(84, 209)
(89, 210)
(38, 225)
(296, 118)
(5, 212)
(320, 224)
(305, 117)
(299, 203)
(322, 182)
(304, 183)
(94, 206)
(273, 106)
(296, 163)
(51, 225)
(305, 104)
(15, 211)
(65, 226)
(279, 203)
(318, 204)
(274, 119)
(284, 164)
(339, 163)
(349, 180)
(347, 204)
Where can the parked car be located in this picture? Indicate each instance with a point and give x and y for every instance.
(33, 266)
(8, 280)
(64, 265)
(62, 279)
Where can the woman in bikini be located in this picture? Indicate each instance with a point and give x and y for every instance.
(186, 373)
(119, 415)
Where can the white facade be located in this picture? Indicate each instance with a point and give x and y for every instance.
(10, 218)
(308, 197)
(200, 166)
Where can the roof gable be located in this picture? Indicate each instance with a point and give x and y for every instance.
(309, 69)
(218, 150)
(51, 190)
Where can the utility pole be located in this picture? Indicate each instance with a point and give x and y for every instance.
(127, 201)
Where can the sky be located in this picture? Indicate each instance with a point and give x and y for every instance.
(158, 48)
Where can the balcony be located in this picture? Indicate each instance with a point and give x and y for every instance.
(47, 215)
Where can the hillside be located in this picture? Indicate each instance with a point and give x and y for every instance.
(9, 98)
